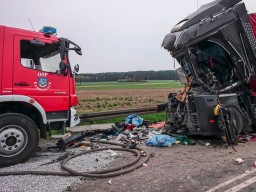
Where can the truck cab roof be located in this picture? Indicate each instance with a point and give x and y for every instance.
(204, 11)
(25, 32)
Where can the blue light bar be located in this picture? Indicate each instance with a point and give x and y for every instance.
(48, 30)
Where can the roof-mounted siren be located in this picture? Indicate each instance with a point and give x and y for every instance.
(47, 30)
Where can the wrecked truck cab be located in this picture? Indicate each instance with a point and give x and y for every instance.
(216, 49)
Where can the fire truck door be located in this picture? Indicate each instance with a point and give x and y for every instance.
(37, 73)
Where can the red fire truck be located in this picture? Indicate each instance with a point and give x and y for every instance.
(37, 89)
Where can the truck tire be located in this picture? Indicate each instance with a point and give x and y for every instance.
(235, 124)
(236, 120)
(19, 137)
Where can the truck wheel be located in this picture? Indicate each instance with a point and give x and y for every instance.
(236, 120)
(19, 137)
(236, 124)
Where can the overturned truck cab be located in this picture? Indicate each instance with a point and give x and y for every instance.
(216, 48)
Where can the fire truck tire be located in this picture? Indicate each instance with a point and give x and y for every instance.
(19, 137)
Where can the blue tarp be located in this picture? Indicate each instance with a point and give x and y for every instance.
(134, 120)
(160, 141)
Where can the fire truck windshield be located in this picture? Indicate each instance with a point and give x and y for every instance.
(50, 62)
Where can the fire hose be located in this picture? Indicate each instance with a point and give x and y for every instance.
(112, 172)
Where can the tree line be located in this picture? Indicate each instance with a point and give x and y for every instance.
(132, 75)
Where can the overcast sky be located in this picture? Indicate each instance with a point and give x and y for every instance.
(115, 35)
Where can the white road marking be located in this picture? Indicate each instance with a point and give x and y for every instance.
(242, 185)
(231, 180)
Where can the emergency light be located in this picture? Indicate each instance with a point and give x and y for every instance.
(47, 30)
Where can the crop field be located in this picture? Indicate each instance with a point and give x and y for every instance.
(106, 96)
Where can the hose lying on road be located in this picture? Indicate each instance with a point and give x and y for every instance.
(129, 167)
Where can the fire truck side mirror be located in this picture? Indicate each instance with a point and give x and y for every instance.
(76, 68)
(78, 51)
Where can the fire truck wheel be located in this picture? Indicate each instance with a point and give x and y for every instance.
(19, 137)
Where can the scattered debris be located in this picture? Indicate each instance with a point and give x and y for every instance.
(238, 161)
(63, 143)
(207, 144)
(157, 126)
(132, 132)
(110, 182)
(121, 137)
(184, 140)
(246, 138)
(144, 154)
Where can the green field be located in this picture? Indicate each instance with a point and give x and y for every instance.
(151, 84)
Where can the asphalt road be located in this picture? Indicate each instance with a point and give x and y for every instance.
(186, 169)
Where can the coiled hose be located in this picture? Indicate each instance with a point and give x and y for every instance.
(126, 168)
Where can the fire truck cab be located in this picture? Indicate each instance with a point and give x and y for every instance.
(37, 89)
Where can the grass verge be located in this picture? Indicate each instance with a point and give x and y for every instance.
(158, 117)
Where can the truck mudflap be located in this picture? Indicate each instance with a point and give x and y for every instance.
(74, 117)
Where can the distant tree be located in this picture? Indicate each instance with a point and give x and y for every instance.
(137, 75)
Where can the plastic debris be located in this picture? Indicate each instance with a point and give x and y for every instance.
(161, 141)
(184, 140)
(134, 120)
(121, 137)
(129, 127)
(157, 126)
(118, 127)
(238, 161)
(207, 144)
(143, 153)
